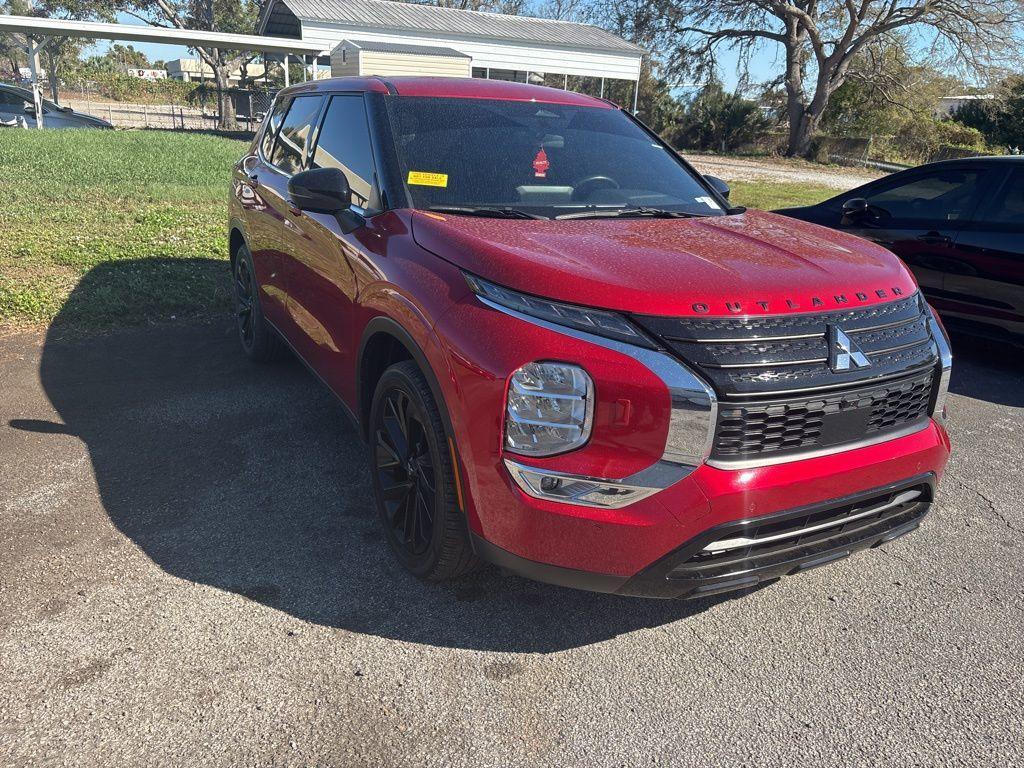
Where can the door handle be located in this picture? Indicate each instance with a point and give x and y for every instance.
(935, 238)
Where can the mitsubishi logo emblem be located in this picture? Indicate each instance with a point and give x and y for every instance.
(843, 352)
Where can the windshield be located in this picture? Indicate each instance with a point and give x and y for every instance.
(542, 159)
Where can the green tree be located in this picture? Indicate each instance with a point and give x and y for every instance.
(718, 120)
(126, 57)
(884, 90)
(1001, 119)
(59, 53)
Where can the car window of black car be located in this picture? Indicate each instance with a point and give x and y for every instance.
(344, 143)
(1008, 205)
(293, 138)
(8, 99)
(946, 195)
(273, 123)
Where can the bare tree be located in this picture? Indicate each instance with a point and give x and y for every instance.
(821, 38)
(511, 7)
(216, 15)
(565, 10)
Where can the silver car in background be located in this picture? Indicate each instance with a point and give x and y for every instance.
(17, 110)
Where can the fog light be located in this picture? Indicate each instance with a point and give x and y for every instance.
(576, 489)
(549, 410)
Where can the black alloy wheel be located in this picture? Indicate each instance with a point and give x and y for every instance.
(406, 473)
(260, 341)
(413, 477)
(245, 291)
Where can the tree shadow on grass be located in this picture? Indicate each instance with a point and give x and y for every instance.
(249, 478)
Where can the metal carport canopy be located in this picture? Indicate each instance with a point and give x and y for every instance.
(40, 28)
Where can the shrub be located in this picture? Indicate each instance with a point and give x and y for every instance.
(720, 121)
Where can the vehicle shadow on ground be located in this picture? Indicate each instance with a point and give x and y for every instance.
(249, 478)
(988, 370)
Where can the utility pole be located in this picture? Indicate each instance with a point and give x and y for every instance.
(34, 48)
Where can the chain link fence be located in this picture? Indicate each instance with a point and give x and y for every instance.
(199, 109)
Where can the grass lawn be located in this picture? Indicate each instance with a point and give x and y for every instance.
(142, 213)
(768, 196)
(107, 228)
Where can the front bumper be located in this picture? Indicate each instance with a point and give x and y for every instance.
(745, 553)
(760, 524)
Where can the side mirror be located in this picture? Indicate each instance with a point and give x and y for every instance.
(321, 190)
(855, 209)
(718, 185)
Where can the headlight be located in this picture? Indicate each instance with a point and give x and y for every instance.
(595, 321)
(549, 410)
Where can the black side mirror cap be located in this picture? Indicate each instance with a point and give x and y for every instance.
(855, 208)
(320, 190)
(718, 185)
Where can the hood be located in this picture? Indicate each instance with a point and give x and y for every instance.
(753, 263)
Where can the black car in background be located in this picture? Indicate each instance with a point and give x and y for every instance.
(959, 225)
(16, 105)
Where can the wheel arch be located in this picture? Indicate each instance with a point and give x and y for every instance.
(236, 239)
(384, 343)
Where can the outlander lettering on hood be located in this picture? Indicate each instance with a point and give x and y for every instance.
(835, 301)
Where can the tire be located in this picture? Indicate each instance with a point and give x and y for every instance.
(259, 340)
(413, 478)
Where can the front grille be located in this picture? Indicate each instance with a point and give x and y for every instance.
(777, 392)
(775, 427)
(751, 356)
(778, 540)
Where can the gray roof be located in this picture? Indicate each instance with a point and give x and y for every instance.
(419, 50)
(386, 14)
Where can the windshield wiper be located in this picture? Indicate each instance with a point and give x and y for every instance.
(639, 210)
(497, 213)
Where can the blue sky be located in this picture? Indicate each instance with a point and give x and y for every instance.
(764, 66)
(153, 51)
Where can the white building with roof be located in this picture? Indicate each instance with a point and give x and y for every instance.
(497, 46)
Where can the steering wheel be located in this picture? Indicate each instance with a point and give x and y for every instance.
(585, 187)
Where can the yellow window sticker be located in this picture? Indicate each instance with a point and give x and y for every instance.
(424, 179)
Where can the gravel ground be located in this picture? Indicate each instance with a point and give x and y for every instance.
(190, 574)
(778, 170)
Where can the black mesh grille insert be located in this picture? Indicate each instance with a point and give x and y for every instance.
(774, 427)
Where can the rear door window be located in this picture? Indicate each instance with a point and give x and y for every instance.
(344, 143)
(293, 138)
(946, 195)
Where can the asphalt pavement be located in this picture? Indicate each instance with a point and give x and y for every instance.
(191, 574)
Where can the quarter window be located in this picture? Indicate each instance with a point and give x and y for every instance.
(1008, 207)
(273, 123)
(344, 143)
(293, 138)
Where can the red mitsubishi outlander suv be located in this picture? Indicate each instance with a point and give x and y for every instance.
(569, 354)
